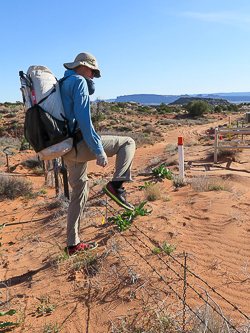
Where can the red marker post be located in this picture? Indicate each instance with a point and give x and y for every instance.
(181, 158)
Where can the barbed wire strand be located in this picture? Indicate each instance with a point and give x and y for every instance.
(162, 278)
(112, 210)
(195, 275)
(180, 277)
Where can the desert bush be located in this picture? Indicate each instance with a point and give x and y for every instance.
(144, 109)
(24, 144)
(131, 112)
(139, 138)
(115, 109)
(152, 192)
(233, 107)
(145, 322)
(121, 104)
(32, 163)
(98, 111)
(126, 127)
(218, 108)
(96, 119)
(204, 184)
(197, 108)
(226, 152)
(149, 129)
(172, 148)
(163, 108)
(14, 187)
(8, 141)
(178, 181)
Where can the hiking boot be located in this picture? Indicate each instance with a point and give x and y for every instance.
(118, 194)
(81, 247)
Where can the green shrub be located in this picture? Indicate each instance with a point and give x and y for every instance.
(144, 109)
(124, 220)
(233, 107)
(115, 109)
(168, 248)
(162, 172)
(197, 108)
(96, 119)
(218, 108)
(163, 108)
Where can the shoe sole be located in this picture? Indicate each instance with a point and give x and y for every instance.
(115, 199)
(78, 252)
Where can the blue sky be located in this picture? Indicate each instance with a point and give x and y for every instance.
(142, 46)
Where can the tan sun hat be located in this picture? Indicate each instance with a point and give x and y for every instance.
(85, 59)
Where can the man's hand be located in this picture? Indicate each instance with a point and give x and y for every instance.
(101, 159)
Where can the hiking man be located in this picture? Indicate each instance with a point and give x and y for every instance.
(75, 97)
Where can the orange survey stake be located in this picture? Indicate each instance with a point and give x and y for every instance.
(180, 141)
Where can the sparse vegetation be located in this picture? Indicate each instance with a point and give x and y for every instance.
(124, 220)
(205, 183)
(6, 324)
(14, 187)
(152, 192)
(178, 181)
(168, 248)
(162, 172)
(124, 269)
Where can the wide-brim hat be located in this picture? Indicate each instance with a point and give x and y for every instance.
(85, 59)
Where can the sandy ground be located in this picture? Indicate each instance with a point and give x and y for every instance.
(122, 277)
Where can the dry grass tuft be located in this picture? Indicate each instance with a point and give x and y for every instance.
(152, 192)
(204, 184)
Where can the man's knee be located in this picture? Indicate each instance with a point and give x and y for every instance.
(80, 184)
(131, 142)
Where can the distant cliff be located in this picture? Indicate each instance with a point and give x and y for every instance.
(148, 99)
(210, 101)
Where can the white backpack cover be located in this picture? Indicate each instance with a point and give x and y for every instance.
(46, 127)
(44, 82)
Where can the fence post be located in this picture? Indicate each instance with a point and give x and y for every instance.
(55, 167)
(65, 179)
(215, 144)
(229, 125)
(181, 158)
(184, 292)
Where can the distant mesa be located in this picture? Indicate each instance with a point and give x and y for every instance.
(213, 102)
(153, 99)
(148, 99)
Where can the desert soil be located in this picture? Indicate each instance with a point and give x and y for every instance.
(93, 293)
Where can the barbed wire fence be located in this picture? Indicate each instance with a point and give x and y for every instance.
(187, 294)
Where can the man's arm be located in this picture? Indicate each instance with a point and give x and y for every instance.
(83, 117)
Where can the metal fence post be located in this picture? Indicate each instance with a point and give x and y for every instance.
(215, 144)
(65, 179)
(184, 293)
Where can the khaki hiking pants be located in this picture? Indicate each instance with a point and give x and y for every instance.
(123, 147)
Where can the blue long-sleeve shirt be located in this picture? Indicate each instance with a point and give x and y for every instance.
(75, 98)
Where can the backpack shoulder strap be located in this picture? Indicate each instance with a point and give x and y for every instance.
(54, 89)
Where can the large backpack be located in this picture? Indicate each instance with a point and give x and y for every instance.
(46, 127)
